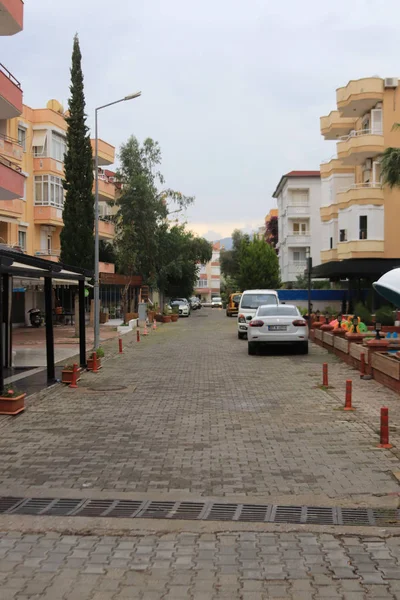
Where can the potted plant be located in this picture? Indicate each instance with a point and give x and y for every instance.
(12, 401)
(66, 374)
(166, 317)
(100, 355)
(175, 314)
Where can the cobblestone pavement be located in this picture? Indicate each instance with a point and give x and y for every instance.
(195, 414)
(246, 566)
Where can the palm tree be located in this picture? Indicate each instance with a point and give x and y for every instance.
(390, 164)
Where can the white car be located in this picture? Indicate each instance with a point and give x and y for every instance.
(183, 307)
(249, 303)
(281, 324)
(216, 302)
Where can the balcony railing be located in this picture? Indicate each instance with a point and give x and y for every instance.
(360, 186)
(44, 252)
(11, 140)
(10, 164)
(10, 76)
(361, 132)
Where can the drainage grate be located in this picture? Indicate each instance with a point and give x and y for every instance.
(209, 511)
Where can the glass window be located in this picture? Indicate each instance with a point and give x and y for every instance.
(49, 191)
(202, 283)
(59, 146)
(22, 137)
(40, 151)
(256, 300)
(343, 235)
(363, 227)
(22, 239)
(266, 311)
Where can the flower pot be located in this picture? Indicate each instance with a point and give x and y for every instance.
(151, 315)
(12, 406)
(159, 318)
(174, 318)
(66, 375)
(166, 319)
(90, 363)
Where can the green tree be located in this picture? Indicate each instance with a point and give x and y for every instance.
(230, 259)
(390, 164)
(77, 236)
(259, 265)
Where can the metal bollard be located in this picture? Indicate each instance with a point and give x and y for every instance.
(74, 382)
(138, 335)
(120, 345)
(325, 374)
(385, 428)
(347, 404)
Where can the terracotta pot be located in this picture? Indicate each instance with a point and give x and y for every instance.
(174, 318)
(166, 318)
(159, 318)
(12, 406)
(90, 364)
(66, 375)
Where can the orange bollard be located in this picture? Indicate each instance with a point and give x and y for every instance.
(120, 345)
(362, 364)
(74, 382)
(95, 366)
(385, 429)
(138, 335)
(145, 330)
(347, 405)
(154, 325)
(325, 374)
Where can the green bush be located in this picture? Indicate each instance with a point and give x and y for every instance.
(384, 315)
(100, 352)
(330, 311)
(363, 312)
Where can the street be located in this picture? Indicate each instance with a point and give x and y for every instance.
(187, 415)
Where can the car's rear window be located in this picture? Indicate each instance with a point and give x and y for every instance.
(236, 298)
(281, 310)
(256, 300)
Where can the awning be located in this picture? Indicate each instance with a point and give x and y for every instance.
(39, 138)
(355, 268)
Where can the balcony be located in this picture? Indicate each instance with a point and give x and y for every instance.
(10, 95)
(10, 147)
(106, 188)
(360, 193)
(106, 229)
(327, 255)
(356, 148)
(11, 209)
(298, 239)
(359, 96)
(334, 165)
(327, 213)
(334, 126)
(12, 181)
(292, 269)
(48, 215)
(298, 210)
(11, 17)
(106, 152)
(361, 249)
(53, 255)
(46, 166)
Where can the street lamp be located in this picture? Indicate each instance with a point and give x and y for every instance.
(96, 221)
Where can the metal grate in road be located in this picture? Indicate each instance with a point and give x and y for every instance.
(198, 511)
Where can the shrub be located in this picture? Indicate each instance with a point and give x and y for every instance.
(384, 315)
(363, 312)
(330, 311)
(100, 352)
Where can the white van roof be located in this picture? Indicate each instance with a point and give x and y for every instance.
(260, 292)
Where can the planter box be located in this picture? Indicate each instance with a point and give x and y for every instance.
(129, 316)
(341, 344)
(90, 364)
(327, 338)
(12, 406)
(355, 351)
(66, 375)
(386, 364)
(318, 334)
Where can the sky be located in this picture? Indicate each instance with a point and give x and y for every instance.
(231, 89)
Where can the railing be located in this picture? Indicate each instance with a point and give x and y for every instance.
(10, 76)
(10, 164)
(359, 133)
(360, 186)
(44, 252)
(12, 140)
(299, 233)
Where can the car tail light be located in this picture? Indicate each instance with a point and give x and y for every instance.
(241, 319)
(299, 323)
(256, 323)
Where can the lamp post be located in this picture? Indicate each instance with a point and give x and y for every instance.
(309, 269)
(96, 221)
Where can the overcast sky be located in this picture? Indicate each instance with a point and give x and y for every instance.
(232, 89)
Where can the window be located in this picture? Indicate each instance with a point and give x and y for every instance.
(331, 243)
(343, 235)
(256, 300)
(299, 256)
(202, 283)
(59, 146)
(49, 238)
(22, 239)
(299, 228)
(49, 191)
(281, 310)
(299, 197)
(22, 137)
(363, 227)
(39, 144)
(215, 270)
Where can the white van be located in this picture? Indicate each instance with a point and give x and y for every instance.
(249, 302)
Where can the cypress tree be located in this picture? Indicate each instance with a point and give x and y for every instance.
(77, 237)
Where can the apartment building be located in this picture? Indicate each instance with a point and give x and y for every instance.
(359, 217)
(12, 179)
(36, 142)
(209, 283)
(298, 196)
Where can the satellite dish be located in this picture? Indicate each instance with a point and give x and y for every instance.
(388, 286)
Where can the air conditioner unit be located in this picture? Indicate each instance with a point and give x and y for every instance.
(368, 164)
(391, 82)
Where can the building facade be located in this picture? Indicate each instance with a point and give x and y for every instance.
(270, 238)
(298, 197)
(359, 217)
(209, 283)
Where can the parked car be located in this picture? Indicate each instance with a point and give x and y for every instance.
(249, 303)
(216, 302)
(183, 307)
(278, 324)
(194, 303)
(232, 306)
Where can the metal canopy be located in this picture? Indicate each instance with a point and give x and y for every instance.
(355, 268)
(17, 263)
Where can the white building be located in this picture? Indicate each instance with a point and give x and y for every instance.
(298, 197)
